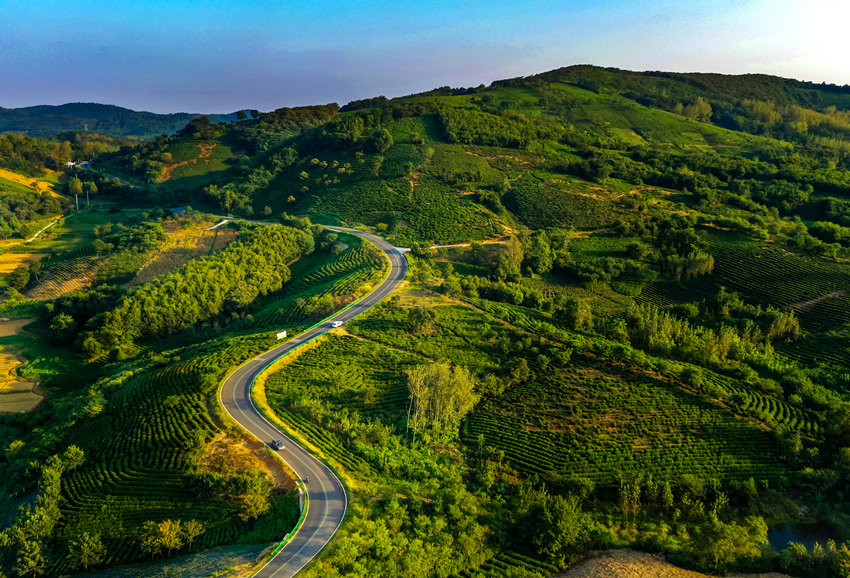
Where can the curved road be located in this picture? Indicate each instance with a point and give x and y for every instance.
(327, 499)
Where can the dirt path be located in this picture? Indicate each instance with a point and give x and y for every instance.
(628, 563)
(807, 305)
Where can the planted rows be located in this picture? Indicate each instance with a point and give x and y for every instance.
(592, 424)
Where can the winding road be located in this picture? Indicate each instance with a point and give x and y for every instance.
(327, 498)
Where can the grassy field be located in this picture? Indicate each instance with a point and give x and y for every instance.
(136, 462)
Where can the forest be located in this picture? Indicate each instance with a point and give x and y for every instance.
(625, 325)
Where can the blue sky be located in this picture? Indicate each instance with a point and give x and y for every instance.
(221, 55)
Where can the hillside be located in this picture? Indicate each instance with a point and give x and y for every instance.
(49, 120)
(626, 324)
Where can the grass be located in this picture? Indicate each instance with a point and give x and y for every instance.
(76, 232)
(591, 420)
(551, 201)
(14, 187)
(617, 119)
(136, 465)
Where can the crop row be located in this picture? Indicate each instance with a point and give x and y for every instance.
(596, 426)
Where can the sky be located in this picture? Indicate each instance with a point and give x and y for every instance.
(218, 56)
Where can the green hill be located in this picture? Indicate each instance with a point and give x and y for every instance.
(639, 336)
(49, 120)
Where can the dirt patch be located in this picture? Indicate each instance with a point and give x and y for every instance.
(16, 396)
(627, 563)
(206, 149)
(807, 305)
(183, 246)
(8, 328)
(229, 455)
(9, 261)
(55, 285)
(169, 170)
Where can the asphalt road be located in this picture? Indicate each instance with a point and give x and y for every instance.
(327, 498)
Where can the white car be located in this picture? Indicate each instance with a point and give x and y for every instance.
(278, 444)
(336, 324)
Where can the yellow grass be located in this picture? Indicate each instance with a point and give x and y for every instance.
(9, 261)
(183, 245)
(21, 400)
(29, 182)
(8, 363)
(8, 328)
(15, 396)
(50, 288)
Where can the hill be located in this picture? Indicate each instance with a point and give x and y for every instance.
(49, 120)
(626, 324)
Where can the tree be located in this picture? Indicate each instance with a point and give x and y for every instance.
(101, 247)
(267, 211)
(575, 314)
(381, 141)
(35, 268)
(255, 114)
(439, 395)
(560, 527)
(86, 551)
(420, 319)
(514, 252)
(19, 277)
(241, 115)
(254, 505)
(30, 560)
(75, 186)
(191, 530)
(376, 165)
(92, 348)
(63, 325)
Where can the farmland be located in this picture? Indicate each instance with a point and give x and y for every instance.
(641, 338)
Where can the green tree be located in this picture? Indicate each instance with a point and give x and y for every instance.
(35, 268)
(253, 506)
(85, 551)
(575, 314)
(376, 165)
(255, 114)
(420, 319)
(241, 115)
(101, 247)
(30, 559)
(560, 527)
(19, 277)
(75, 186)
(381, 141)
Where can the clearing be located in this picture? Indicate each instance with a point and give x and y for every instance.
(33, 183)
(10, 261)
(8, 328)
(183, 246)
(628, 563)
(15, 395)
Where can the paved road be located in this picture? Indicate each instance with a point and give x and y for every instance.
(327, 499)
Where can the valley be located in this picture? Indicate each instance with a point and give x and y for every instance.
(527, 325)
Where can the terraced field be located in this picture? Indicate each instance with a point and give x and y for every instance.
(65, 277)
(594, 423)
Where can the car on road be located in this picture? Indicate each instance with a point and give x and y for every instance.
(277, 444)
(336, 323)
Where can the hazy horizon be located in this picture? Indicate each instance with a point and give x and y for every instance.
(168, 57)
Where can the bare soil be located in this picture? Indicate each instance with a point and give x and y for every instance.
(8, 328)
(228, 455)
(628, 563)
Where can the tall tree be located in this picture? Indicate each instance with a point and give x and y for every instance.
(85, 551)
